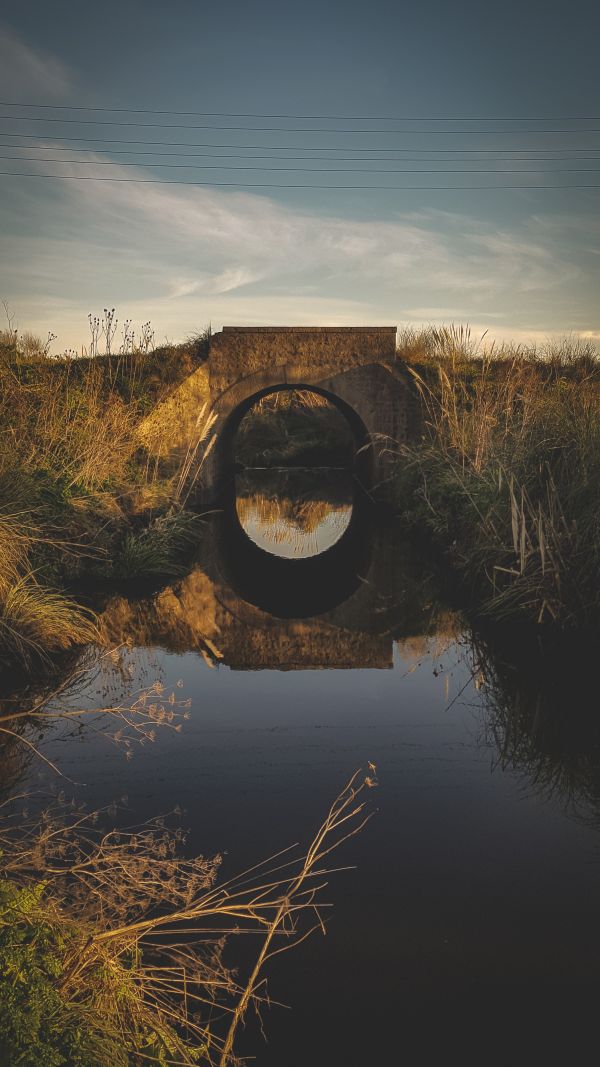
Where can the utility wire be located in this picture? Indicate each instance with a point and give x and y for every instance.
(332, 159)
(272, 185)
(328, 118)
(291, 148)
(315, 170)
(283, 129)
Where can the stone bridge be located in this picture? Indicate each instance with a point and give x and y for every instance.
(354, 367)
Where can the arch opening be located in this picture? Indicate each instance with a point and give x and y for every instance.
(293, 538)
(352, 445)
(292, 453)
(294, 428)
(300, 586)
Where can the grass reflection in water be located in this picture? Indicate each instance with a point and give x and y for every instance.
(294, 513)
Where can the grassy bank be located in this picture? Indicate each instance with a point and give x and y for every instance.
(506, 477)
(79, 498)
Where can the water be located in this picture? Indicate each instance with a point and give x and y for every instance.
(470, 922)
(281, 513)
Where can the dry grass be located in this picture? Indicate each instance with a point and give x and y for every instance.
(34, 620)
(123, 933)
(508, 473)
(136, 932)
(76, 489)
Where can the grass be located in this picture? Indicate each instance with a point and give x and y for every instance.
(112, 936)
(294, 428)
(79, 497)
(157, 548)
(506, 477)
(111, 943)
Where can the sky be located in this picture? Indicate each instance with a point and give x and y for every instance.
(399, 95)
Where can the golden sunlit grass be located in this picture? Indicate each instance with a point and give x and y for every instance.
(77, 492)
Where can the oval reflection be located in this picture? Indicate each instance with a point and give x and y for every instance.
(294, 514)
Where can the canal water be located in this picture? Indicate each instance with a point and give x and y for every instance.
(311, 639)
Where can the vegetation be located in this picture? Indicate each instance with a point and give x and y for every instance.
(294, 428)
(94, 970)
(79, 496)
(539, 716)
(111, 937)
(506, 477)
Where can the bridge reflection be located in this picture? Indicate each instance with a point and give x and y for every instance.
(341, 608)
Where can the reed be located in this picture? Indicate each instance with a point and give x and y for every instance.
(507, 474)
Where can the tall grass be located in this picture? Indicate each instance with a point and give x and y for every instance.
(34, 619)
(507, 474)
(76, 489)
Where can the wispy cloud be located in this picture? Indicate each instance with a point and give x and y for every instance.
(186, 255)
(27, 73)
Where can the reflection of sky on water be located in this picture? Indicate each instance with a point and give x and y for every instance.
(474, 893)
(464, 878)
(285, 538)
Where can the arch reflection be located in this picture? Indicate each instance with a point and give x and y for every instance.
(307, 562)
(294, 514)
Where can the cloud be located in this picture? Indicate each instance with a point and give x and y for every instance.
(29, 73)
(226, 282)
(235, 239)
(184, 255)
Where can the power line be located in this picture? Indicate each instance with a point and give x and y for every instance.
(333, 159)
(325, 118)
(313, 170)
(272, 185)
(292, 148)
(283, 129)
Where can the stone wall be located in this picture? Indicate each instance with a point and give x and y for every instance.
(242, 350)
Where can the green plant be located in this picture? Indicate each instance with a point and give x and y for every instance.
(157, 548)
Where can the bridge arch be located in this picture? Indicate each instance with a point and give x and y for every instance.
(242, 397)
(354, 367)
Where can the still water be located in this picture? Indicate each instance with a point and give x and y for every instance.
(469, 923)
